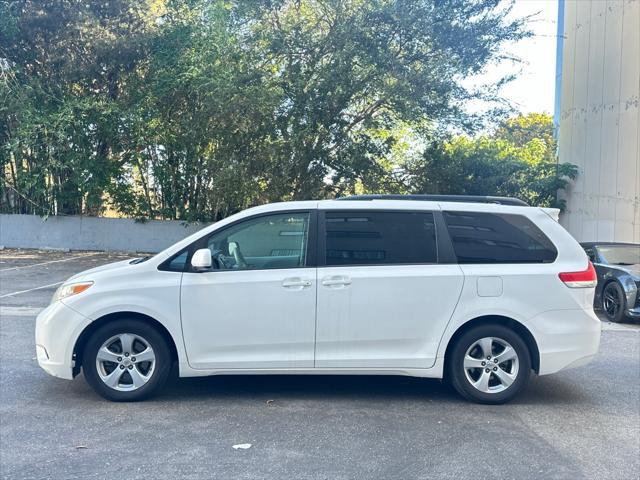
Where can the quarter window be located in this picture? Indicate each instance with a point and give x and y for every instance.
(497, 238)
(266, 242)
(379, 238)
(178, 262)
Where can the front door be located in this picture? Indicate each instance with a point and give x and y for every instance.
(383, 300)
(256, 307)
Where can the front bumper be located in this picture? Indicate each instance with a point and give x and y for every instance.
(565, 338)
(633, 312)
(57, 329)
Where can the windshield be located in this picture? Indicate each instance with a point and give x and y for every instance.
(620, 254)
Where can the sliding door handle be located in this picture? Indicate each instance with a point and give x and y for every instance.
(336, 281)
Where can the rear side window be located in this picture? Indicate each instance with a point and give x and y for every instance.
(380, 238)
(497, 238)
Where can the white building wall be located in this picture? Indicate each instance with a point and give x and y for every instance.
(600, 118)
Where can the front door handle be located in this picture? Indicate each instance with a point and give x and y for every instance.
(296, 283)
(336, 281)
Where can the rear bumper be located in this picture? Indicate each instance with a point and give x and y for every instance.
(57, 329)
(565, 338)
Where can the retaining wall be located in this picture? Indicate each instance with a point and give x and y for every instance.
(91, 233)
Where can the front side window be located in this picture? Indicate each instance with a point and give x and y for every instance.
(379, 238)
(480, 237)
(265, 242)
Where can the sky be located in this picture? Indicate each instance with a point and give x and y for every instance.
(534, 88)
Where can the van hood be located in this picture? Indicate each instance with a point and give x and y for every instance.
(103, 268)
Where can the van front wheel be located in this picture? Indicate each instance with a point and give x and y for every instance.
(126, 360)
(489, 364)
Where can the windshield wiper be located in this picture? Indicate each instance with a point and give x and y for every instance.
(139, 260)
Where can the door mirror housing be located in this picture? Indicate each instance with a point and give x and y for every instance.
(201, 260)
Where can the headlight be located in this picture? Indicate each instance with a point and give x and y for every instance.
(69, 289)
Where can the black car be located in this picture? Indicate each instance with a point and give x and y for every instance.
(618, 269)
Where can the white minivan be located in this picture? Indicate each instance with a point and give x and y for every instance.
(477, 290)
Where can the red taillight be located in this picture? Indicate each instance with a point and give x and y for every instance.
(585, 279)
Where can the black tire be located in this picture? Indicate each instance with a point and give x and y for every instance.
(157, 376)
(616, 304)
(457, 373)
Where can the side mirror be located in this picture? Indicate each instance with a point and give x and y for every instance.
(201, 260)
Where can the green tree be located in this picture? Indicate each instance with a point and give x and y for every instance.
(68, 62)
(199, 122)
(194, 109)
(512, 162)
(534, 130)
(351, 69)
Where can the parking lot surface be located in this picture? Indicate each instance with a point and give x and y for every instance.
(582, 423)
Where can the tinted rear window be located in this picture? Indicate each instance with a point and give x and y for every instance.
(380, 238)
(497, 238)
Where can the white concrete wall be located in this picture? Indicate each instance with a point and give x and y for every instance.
(91, 233)
(600, 118)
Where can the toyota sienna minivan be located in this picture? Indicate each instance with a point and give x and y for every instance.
(480, 291)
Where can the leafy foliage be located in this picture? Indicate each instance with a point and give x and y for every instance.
(194, 109)
(516, 161)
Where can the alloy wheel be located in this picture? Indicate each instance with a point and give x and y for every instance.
(491, 364)
(125, 362)
(611, 301)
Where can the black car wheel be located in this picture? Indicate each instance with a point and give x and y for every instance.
(614, 302)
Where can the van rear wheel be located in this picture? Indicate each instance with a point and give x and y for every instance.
(489, 364)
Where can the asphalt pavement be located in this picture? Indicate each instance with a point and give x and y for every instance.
(581, 423)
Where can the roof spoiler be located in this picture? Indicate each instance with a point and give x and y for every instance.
(442, 198)
(552, 212)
